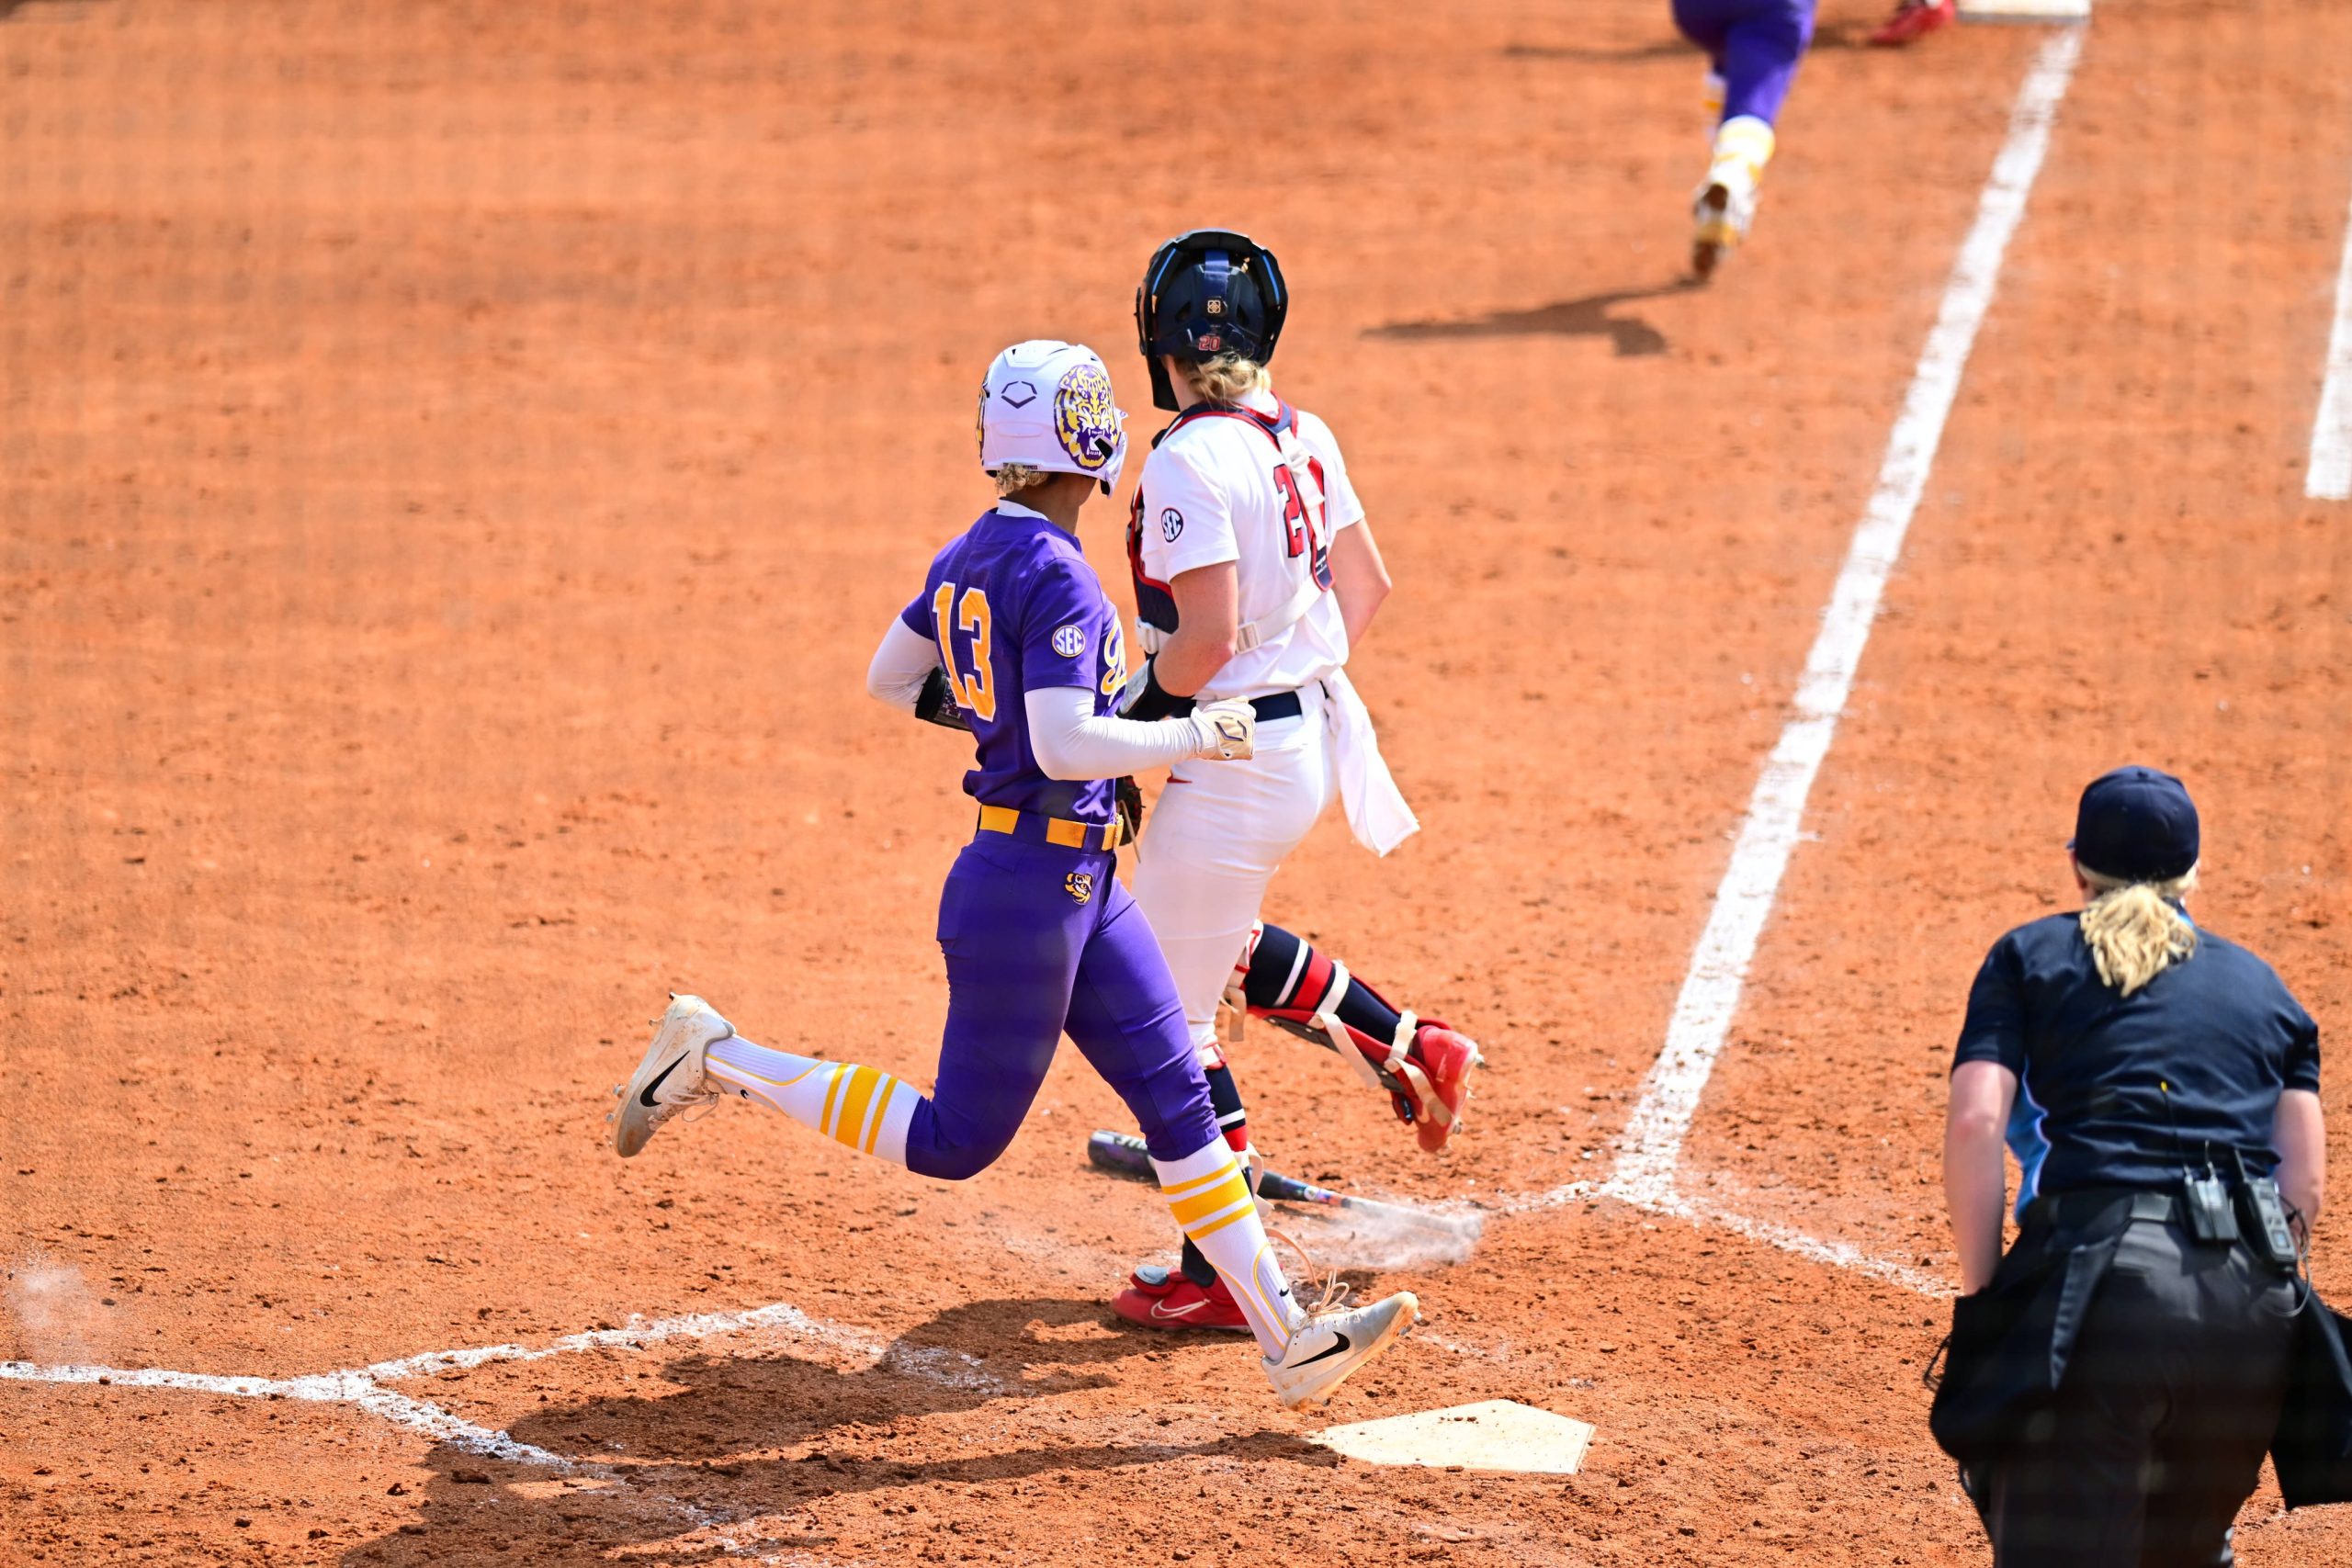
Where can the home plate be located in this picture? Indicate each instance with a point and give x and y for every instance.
(1496, 1434)
(2024, 10)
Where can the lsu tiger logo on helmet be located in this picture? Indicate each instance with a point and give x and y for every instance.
(1086, 417)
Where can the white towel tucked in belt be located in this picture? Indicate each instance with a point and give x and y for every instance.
(1377, 814)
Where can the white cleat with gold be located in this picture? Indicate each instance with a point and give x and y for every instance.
(669, 1080)
(1725, 203)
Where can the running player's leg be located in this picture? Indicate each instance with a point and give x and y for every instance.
(1762, 48)
(1704, 22)
(1011, 935)
(1125, 1017)
(1754, 47)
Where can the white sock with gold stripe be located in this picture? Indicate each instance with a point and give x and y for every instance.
(865, 1107)
(1743, 146)
(1210, 1197)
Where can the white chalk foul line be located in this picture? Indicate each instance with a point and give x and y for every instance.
(2330, 477)
(1650, 1152)
(353, 1388)
(363, 1386)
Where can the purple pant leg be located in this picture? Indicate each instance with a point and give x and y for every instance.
(1124, 1015)
(1755, 45)
(1026, 957)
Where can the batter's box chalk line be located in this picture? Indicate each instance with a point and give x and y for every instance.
(363, 1387)
(1650, 1151)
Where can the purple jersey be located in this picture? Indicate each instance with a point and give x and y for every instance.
(1015, 608)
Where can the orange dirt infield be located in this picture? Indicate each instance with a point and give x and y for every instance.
(456, 464)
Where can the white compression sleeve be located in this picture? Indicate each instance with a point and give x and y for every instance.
(900, 666)
(1072, 743)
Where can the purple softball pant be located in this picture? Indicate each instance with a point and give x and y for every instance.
(1040, 941)
(1755, 45)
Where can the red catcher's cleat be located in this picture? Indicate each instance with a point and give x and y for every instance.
(1164, 1298)
(1445, 1059)
(1913, 20)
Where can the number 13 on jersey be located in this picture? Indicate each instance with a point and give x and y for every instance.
(975, 692)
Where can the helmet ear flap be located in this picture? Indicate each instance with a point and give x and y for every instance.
(1163, 393)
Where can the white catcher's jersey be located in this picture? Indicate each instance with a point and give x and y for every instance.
(1263, 486)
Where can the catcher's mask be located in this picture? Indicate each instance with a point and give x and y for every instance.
(1208, 292)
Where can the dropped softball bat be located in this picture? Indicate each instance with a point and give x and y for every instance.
(1123, 1154)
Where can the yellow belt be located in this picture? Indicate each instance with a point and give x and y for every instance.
(1030, 828)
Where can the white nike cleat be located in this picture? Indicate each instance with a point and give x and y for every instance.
(670, 1077)
(1334, 1345)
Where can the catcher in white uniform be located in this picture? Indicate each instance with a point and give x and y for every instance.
(1255, 573)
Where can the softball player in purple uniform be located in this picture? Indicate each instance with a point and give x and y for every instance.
(1011, 636)
(1753, 48)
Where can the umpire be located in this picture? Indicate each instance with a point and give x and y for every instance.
(2114, 1381)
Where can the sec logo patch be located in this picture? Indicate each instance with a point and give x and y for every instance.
(1069, 641)
(1171, 524)
(1080, 884)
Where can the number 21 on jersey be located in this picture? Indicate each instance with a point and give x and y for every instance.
(975, 694)
(1304, 518)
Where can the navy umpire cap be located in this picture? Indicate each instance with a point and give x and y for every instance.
(1207, 292)
(2137, 823)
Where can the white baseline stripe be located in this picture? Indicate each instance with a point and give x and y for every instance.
(338, 1388)
(363, 1386)
(1652, 1146)
(700, 1326)
(2331, 470)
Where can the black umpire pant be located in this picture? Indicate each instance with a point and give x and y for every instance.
(2162, 1419)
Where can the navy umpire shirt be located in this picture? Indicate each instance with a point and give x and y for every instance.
(2221, 1028)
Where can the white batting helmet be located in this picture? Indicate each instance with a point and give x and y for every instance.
(1049, 405)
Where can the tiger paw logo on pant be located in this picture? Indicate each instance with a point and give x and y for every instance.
(1080, 884)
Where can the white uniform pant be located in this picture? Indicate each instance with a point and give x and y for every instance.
(1213, 843)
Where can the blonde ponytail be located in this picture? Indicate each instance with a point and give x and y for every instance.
(2134, 933)
(1227, 379)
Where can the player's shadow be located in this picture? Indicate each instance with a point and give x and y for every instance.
(1826, 35)
(1677, 48)
(52, 10)
(1592, 316)
(700, 1453)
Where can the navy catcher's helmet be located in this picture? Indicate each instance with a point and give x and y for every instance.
(1209, 292)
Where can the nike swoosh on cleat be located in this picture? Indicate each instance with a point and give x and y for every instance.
(645, 1095)
(1159, 1311)
(1341, 1348)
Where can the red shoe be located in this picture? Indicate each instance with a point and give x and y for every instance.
(1164, 1298)
(1436, 1074)
(1913, 20)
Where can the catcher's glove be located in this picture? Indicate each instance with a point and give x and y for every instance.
(1129, 795)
